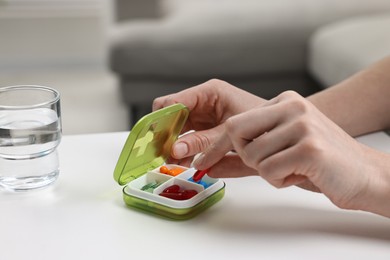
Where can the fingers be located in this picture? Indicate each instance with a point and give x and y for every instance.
(279, 138)
(214, 153)
(163, 101)
(282, 170)
(260, 119)
(183, 162)
(278, 168)
(239, 131)
(293, 179)
(231, 166)
(266, 140)
(195, 142)
(250, 128)
(188, 97)
(308, 185)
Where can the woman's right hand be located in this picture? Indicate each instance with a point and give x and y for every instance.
(210, 104)
(288, 141)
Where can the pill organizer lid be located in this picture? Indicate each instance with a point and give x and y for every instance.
(149, 142)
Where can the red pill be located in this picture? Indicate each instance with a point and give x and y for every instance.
(172, 189)
(175, 196)
(188, 194)
(198, 175)
(182, 195)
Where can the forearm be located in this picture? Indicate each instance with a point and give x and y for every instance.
(360, 104)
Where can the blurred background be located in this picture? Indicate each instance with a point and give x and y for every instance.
(63, 44)
(111, 58)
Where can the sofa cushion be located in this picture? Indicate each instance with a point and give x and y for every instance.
(230, 37)
(339, 50)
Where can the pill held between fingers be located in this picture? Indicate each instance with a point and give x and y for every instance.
(198, 175)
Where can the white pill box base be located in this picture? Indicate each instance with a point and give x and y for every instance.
(134, 187)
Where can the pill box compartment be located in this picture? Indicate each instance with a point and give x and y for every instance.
(145, 151)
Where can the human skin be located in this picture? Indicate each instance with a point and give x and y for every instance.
(290, 140)
(361, 103)
(210, 103)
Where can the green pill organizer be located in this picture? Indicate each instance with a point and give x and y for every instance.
(147, 148)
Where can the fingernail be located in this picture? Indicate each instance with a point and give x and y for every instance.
(180, 150)
(198, 161)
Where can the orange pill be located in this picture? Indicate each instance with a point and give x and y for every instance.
(164, 169)
(175, 171)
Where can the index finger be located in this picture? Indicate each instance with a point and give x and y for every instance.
(188, 97)
(195, 142)
(214, 153)
(163, 101)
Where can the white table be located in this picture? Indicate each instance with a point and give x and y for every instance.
(83, 217)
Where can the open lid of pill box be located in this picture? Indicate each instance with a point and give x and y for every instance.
(149, 143)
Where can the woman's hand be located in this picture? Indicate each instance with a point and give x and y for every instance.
(210, 104)
(288, 141)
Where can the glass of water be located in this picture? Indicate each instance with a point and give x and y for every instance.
(30, 131)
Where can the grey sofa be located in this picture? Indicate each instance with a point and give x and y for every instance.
(339, 50)
(265, 47)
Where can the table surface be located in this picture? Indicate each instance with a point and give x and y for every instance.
(82, 216)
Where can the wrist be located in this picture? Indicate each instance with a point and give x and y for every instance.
(377, 195)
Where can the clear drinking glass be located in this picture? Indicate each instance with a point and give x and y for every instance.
(30, 131)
